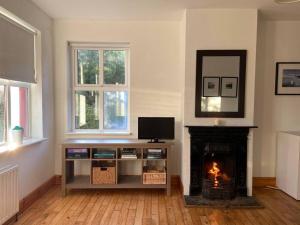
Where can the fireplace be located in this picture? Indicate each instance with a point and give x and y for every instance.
(218, 162)
(219, 171)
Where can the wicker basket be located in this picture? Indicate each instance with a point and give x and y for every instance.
(154, 177)
(104, 175)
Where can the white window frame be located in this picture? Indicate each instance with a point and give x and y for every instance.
(100, 87)
(7, 109)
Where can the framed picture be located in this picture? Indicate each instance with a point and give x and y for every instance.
(229, 87)
(211, 86)
(287, 78)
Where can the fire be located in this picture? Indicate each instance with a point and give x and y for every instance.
(215, 171)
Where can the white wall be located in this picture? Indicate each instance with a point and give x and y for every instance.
(278, 41)
(36, 162)
(218, 29)
(156, 71)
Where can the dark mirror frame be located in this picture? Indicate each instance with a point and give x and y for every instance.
(242, 83)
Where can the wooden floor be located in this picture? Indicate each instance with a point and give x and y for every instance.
(127, 207)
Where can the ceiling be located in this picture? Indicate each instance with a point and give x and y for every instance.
(157, 9)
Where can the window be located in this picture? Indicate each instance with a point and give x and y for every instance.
(14, 108)
(100, 89)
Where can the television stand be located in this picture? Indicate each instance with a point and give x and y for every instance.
(78, 173)
(155, 140)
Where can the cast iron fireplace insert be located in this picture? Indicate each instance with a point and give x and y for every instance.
(218, 161)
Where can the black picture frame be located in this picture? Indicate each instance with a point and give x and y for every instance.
(204, 94)
(236, 87)
(240, 113)
(277, 86)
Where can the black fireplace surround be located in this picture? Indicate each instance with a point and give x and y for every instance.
(222, 143)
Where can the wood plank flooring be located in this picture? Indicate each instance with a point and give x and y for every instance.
(153, 207)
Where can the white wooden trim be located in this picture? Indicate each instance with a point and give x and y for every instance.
(112, 45)
(100, 87)
(7, 107)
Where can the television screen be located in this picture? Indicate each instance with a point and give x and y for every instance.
(156, 127)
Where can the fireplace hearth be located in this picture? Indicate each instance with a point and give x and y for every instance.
(218, 162)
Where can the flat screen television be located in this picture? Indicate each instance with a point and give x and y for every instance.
(156, 128)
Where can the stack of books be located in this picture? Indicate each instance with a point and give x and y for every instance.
(129, 153)
(77, 153)
(155, 153)
(104, 155)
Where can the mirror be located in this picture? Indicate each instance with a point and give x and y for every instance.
(220, 83)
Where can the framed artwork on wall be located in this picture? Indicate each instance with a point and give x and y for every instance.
(229, 87)
(287, 78)
(211, 86)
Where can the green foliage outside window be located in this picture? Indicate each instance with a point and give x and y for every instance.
(87, 66)
(115, 103)
(114, 67)
(87, 110)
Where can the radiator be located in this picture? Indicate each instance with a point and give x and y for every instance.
(9, 193)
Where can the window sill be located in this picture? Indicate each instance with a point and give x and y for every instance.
(27, 142)
(105, 133)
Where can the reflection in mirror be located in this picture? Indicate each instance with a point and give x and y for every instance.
(224, 70)
(211, 104)
(219, 104)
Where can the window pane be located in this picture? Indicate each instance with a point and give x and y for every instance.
(86, 113)
(88, 66)
(19, 108)
(115, 110)
(114, 66)
(2, 113)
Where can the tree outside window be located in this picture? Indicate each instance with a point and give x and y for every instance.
(100, 90)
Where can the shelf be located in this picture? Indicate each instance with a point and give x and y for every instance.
(129, 159)
(125, 165)
(78, 159)
(129, 179)
(103, 159)
(153, 159)
(78, 181)
(125, 181)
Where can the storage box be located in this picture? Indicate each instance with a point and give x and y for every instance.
(103, 175)
(154, 177)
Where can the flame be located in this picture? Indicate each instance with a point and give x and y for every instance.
(215, 171)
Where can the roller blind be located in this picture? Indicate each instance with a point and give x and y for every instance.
(16, 52)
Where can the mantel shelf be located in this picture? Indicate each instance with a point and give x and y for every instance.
(212, 126)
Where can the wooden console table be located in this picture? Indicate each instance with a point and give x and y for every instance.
(70, 180)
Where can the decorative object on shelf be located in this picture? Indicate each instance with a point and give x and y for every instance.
(229, 87)
(287, 78)
(17, 135)
(218, 122)
(211, 86)
(220, 99)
